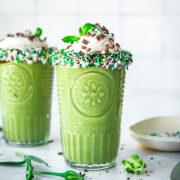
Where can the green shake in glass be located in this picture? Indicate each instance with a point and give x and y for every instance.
(90, 76)
(26, 78)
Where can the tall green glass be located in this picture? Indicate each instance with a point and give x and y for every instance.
(25, 92)
(90, 104)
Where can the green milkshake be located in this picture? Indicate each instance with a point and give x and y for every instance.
(26, 78)
(90, 76)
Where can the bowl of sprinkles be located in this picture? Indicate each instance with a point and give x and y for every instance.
(158, 133)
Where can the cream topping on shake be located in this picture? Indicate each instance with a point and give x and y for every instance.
(26, 46)
(97, 39)
(22, 40)
(94, 47)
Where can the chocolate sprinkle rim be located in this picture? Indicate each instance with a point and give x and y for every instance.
(117, 60)
(31, 55)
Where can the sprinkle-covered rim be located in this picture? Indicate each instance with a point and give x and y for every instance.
(31, 55)
(116, 60)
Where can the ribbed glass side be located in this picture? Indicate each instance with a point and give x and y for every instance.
(26, 101)
(90, 102)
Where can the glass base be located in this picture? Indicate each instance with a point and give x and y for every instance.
(94, 167)
(26, 144)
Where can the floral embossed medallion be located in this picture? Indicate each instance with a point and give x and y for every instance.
(16, 83)
(92, 94)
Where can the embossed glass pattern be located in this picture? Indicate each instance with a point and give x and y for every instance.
(26, 100)
(90, 103)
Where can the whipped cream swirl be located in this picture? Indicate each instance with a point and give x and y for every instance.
(22, 40)
(24, 47)
(98, 39)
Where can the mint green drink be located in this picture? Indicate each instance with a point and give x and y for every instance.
(26, 101)
(26, 79)
(90, 102)
(90, 87)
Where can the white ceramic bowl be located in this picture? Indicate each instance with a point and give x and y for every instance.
(157, 125)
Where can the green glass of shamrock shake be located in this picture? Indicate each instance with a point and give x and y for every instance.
(26, 78)
(90, 77)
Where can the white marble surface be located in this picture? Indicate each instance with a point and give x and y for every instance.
(157, 169)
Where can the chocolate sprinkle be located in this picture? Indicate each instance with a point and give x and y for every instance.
(98, 38)
(97, 25)
(88, 49)
(111, 39)
(68, 47)
(80, 173)
(102, 36)
(10, 35)
(60, 153)
(85, 41)
(84, 47)
(110, 46)
(117, 45)
(104, 28)
(31, 38)
(50, 141)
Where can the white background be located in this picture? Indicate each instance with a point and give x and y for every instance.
(150, 29)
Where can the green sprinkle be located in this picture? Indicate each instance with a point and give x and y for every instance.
(94, 30)
(65, 57)
(26, 54)
(78, 54)
(109, 61)
(96, 57)
(16, 95)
